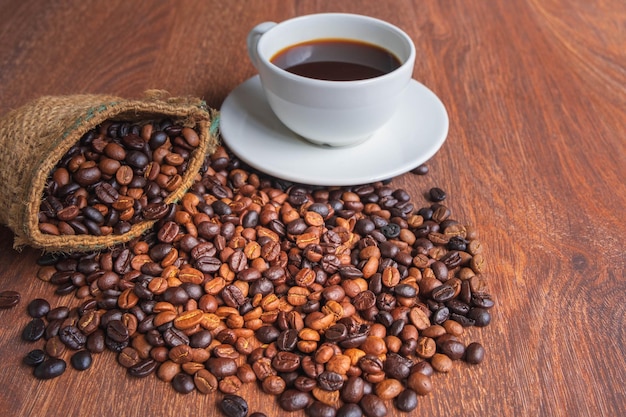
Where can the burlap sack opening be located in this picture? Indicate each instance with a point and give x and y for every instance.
(33, 138)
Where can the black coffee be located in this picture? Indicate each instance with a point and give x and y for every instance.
(336, 60)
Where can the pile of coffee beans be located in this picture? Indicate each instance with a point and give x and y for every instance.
(339, 301)
(117, 175)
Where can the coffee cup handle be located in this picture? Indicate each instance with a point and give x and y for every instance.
(253, 40)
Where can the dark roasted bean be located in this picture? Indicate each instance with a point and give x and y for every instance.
(480, 316)
(58, 313)
(288, 339)
(267, 334)
(183, 383)
(34, 357)
(293, 400)
(72, 337)
(453, 349)
(349, 410)
(286, 361)
(38, 308)
(34, 330)
(143, 368)
(116, 331)
(330, 381)
(221, 367)
(9, 299)
(81, 360)
(406, 401)
(233, 406)
(50, 368)
(436, 194)
(353, 390)
(319, 409)
(373, 406)
(474, 353)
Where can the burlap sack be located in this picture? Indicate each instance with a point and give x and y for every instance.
(33, 139)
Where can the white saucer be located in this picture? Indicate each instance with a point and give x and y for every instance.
(251, 130)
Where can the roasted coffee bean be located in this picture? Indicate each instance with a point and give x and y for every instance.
(461, 319)
(232, 296)
(391, 230)
(34, 330)
(286, 361)
(304, 383)
(480, 316)
(267, 334)
(364, 300)
(50, 368)
(58, 313)
(183, 383)
(117, 332)
(441, 363)
(205, 381)
(319, 409)
(405, 290)
(397, 366)
(294, 400)
(143, 368)
(201, 339)
(9, 299)
(458, 307)
(128, 357)
(173, 337)
(221, 367)
(364, 226)
(373, 406)
(388, 389)
(482, 300)
(474, 353)
(230, 384)
(38, 308)
(349, 410)
(72, 337)
(436, 194)
(453, 349)
(406, 401)
(96, 341)
(34, 357)
(336, 333)
(81, 360)
(440, 315)
(288, 339)
(371, 364)
(330, 381)
(353, 390)
(233, 406)
(274, 385)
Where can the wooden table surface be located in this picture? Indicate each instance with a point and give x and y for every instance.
(535, 159)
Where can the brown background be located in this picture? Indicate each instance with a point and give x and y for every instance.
(535, 158)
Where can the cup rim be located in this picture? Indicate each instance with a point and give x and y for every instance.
(409, 62)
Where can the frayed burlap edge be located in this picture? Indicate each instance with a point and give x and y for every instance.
(35, 137)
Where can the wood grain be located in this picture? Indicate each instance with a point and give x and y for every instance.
(535, 159)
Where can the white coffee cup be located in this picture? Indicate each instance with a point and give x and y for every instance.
(331, 113)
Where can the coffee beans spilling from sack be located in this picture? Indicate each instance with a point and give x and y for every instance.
(338, 301)
(87, 172)
(117, 175)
